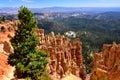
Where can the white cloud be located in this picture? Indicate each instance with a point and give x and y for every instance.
(27, 0)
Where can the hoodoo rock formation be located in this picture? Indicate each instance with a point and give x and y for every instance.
(106, 64)
(65, 56)
(65, 60)
(6, 32)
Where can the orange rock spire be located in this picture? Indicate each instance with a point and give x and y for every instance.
(106, 64)
(64, 55)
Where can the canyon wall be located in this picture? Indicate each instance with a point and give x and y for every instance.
(6, 71)
(106, 64)
(65, 56)
(6, 33)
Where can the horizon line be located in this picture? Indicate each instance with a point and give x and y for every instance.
(67, 7)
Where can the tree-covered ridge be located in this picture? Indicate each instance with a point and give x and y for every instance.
(30, 63)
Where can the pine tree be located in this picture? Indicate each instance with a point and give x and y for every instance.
(27, 59)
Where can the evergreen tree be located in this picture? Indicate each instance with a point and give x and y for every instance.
(0, 20)
(30, 63)
(3, 19)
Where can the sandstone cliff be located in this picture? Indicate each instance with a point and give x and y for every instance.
(106, 64)
(6, 33)
(6, 71)
(65, 56)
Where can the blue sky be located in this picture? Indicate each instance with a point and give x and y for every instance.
(59, 3)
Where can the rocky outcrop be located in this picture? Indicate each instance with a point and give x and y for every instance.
(6, 71)
(64, 55)
(106, 64)
(7, 30)
(6, 33)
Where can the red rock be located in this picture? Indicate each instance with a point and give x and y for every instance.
(64, 55)
(6, 71)
(9, 33)
(99, 74)
(108, 62)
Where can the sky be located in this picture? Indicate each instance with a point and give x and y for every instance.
(59, 3)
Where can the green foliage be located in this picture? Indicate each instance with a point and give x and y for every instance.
(45, 77)
(88, 56)
(52, 25)
(2, 19)
(30, 63)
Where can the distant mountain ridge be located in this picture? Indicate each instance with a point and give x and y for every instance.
(9, 10)
(72, 9)
(62, 9)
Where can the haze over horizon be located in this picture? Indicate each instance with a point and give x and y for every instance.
(59, 3)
